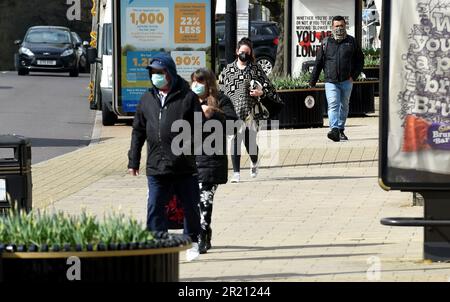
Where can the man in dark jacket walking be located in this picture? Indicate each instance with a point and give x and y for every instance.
(342, 60)
(169, 100)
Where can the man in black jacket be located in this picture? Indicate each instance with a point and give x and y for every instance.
(169, 100)
(342, 61)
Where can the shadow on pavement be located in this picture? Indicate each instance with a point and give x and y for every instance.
(246, 277)
(297, 178)
(287, 257)
(317, 164)
(288, 247)
(290, 275)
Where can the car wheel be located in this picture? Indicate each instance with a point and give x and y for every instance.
(74, 72)
(86, 68)
(22, 71)
(109, 118)
(83, 65)
(266, 63)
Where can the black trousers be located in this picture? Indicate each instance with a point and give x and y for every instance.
(161, 189)
(249, 138)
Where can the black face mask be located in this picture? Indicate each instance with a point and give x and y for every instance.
(244, 57)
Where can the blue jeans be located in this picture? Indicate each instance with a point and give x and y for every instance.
(161, 189)
(338, 97)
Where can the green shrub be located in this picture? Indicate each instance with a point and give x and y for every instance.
(294, 82)
(371, 57)
(60, 229)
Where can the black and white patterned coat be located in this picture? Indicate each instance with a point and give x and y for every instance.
(235, 83)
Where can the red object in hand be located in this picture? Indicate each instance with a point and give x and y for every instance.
(175, 214)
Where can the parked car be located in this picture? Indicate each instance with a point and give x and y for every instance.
(81, 52)
(48, 48)
(264, 35)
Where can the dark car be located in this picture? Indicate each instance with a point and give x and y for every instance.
(83, 65)
(48, 48)
(264, 35)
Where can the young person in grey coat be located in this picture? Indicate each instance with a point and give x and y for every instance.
(212, 167)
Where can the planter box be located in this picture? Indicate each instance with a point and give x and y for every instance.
(1, 269)
(373, 72)
(159, 264)
(362, 100)
(302, 108)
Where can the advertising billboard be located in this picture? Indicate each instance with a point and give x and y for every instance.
(311, 22)
(181, 28)
(415, 119)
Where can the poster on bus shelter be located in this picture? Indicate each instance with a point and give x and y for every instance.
(179, 28)
(416, 94)
(311, 22)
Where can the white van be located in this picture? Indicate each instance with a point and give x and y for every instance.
(101, 86)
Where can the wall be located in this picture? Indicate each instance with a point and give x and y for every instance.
(17, 15)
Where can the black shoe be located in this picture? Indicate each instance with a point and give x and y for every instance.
(342, 136)
(202, 242)
(208, 238)
(334, 135)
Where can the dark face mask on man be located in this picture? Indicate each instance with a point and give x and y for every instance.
(244, 57)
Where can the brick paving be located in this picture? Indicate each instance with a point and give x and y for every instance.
(311, 215)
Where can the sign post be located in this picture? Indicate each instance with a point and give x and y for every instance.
(311, 23)
(142, 29)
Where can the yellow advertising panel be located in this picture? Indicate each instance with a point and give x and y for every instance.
(190, 20)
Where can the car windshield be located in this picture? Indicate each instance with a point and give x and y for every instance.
(269, 30)
(48, 36)
(76, 37)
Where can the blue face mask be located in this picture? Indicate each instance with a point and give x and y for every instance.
(159, 80)
(198, 88)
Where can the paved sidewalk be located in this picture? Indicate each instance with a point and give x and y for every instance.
(311, 215)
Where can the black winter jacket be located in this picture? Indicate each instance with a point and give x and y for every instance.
(153, 123)
(214, 168)
(340, 61)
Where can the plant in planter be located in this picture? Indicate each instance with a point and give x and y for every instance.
(35, 246)
(372, 66)
(300, 81)
(302, 104)
(371, 57)
(300, 108)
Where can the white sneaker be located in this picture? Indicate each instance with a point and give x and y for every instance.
(193, 252)
(236, 177)
(254, 169)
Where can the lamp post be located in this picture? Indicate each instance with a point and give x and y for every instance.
(230, 30)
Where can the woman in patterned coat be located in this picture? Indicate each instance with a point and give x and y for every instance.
(244, 82)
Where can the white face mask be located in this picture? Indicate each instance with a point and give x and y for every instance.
(159, 80)
(198, 88)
